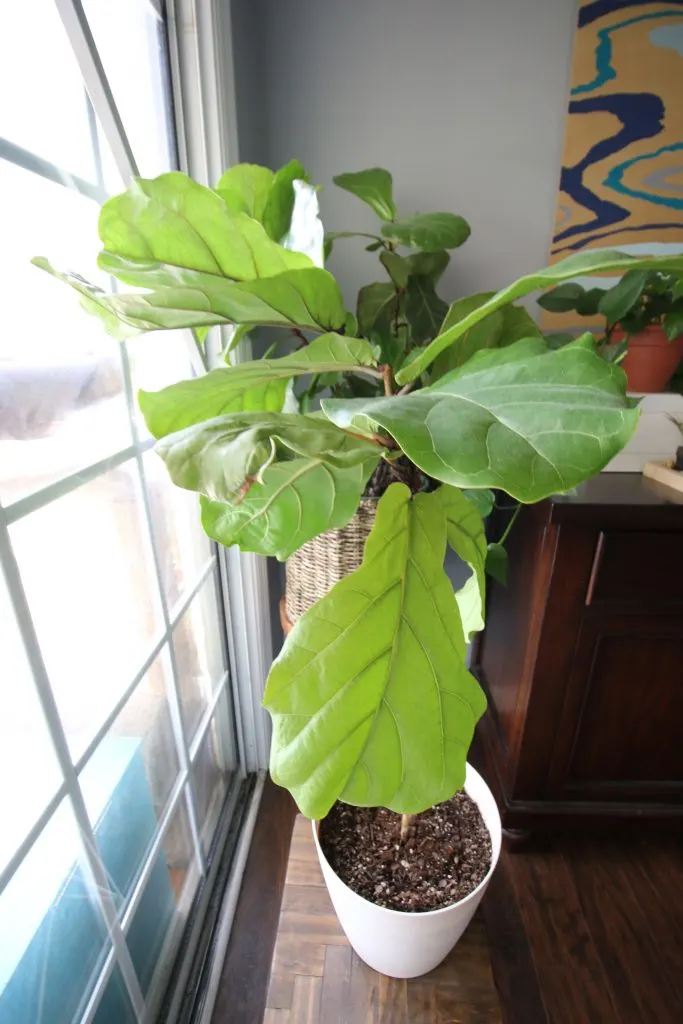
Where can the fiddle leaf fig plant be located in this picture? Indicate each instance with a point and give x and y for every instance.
(422, 405)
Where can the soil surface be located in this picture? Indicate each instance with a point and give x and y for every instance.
(445, 855)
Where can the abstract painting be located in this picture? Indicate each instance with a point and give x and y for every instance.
(621, 184)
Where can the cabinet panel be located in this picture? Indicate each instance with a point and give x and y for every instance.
(637, 566)
(623, 716)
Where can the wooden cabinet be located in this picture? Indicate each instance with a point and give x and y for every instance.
(582, 661)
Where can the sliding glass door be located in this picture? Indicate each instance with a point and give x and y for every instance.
(117, 733)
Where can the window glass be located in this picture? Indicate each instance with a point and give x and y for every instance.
(199, 656)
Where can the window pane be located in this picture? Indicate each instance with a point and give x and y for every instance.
(129, 778)
(182, 546)
(62, 403)
(52, 939)
(212, 768)
(199, 655)
(22, 729)
(133, 27)
(115, 1006)
(157, 360)
(45, 108)
(87, 569)
(166, 899)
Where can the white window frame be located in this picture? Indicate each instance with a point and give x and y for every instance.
(203, 94)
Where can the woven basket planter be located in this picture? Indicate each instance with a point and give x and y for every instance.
(314, 569)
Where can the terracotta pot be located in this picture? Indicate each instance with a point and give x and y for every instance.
(651, 359)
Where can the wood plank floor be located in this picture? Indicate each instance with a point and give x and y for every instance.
(572, 931)
(317, 978)
(604, 922)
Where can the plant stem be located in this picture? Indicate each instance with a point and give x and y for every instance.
(406, 822)
(303, 340)
(510, 524)
(388, 380)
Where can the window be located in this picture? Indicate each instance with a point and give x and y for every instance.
(118, 752)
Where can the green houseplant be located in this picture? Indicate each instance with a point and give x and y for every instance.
(371, 700)
(643, 315)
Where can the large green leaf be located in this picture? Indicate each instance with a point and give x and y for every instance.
(428, 264)
(499, 329)
(277, 214)
(373, 186)
(245, 189)
(424, 310)
(593, 262)
(171, 223)
(298, 298)
(223, 457)
(370, 698)
(466, 535)
(619, 300)
(428, 231)
(528, 421)
(375, 308)
(94, 301)
(297, 500)
(248, 386)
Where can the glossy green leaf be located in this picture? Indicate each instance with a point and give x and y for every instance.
(619, 300)
(428, 264)
(589, 303)
(245, 189)
(423, 309)
(485, 334)
(248, 386)
(677, 289)
(277, 213)
(497, 563)
(466, 535)
(592, 262)
(370, 698)
(375, 307)
(428, 231)
(374, 187)
(562, 299)
(673, 325)
(223, 457)
(332, 236)
(482, 500)
(94, 301)
(165, 226)
(397, 268)
(529, 421)
(297, 500)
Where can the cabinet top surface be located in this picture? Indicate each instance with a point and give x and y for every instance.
(620, 489)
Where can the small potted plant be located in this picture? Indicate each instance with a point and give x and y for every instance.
(372, 703)
(670, 472)
(644, 323)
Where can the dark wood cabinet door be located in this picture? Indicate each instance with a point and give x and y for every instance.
(620, 734)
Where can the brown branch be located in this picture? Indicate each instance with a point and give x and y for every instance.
(387, 377)
(303, 340)
(249, 482)
(385, 442)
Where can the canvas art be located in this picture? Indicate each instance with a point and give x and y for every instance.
(621, 184)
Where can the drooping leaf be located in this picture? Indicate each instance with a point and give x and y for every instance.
(349, 720)
(617, 302)
(466, 535)
(424, 310)
(240, 332)
(428, 231)
(94, 301)
(306, 233)
(592, 262)
(497, 563)
(673, 325)
(374, 187)
(428, 264)
(245, 189)
(298, 298)
(297, 500)
(223, 457)
(332, 236)
(277, 214)
(485, 334)
(529, 421)
(518, 324)
(589, 303)
(250, 386)
(397, 268)
(375, 307)
(164, 226)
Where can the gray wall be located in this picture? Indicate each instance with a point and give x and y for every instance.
(463, 100)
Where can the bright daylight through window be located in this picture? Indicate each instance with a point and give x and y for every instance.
(117, 735)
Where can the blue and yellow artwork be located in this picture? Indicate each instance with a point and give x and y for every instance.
(621, 185)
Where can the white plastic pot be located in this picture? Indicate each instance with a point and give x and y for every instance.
(406, 945)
